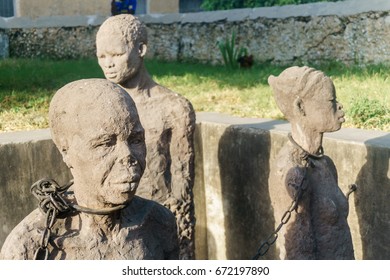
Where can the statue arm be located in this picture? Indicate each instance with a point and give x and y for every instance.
(173, 252)
(295, 180)
(182, 153)
(23, 240)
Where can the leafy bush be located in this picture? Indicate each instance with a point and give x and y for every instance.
(369, 113)
(212, 5)
(230, 52)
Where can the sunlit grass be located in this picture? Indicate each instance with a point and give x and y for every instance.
(26, 88)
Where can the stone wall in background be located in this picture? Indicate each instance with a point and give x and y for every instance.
(57, 43)
(4, 44)
(351, 31)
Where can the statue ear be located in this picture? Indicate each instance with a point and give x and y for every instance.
(65, 156)
(299, 107)
(142, 49)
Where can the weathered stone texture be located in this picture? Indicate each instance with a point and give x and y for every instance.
(166, 39)
(106, 156)
(4, 44)
(306, 39)
(58, 43)
(358, 38)
(167, 117)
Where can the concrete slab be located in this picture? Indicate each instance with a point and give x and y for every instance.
(18, 137)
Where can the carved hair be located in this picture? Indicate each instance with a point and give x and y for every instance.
(295, 84)
(131, 28)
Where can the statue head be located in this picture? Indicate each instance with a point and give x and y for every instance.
(121, 44)
(95, 125)
(307, 97)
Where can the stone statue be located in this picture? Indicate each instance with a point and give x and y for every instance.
(168, 119)
(95, 125)
(318, 227)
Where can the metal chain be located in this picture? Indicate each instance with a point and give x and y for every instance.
(265, 246)
(308, 157)
(352, 188)
(52, 204)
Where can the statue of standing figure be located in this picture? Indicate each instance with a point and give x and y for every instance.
(168, 119)
(317, 228)
(95, 126)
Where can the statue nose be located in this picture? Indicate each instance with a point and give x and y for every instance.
(108, 62)
(126, 155)
(128, 161)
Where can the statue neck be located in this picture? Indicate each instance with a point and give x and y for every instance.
(309, 140)
(100, 226)
(141, 81)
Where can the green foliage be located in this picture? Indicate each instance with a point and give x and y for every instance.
(369, 113)
(212, 5)
(230, 52)
(26, 88)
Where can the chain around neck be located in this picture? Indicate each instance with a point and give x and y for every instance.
(102, 211)
(306, 154)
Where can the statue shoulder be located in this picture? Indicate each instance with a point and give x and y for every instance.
(145, 211)
(174, 98)
(23, 240)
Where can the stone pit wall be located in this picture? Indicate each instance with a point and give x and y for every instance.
(351, 31)
(231, 193)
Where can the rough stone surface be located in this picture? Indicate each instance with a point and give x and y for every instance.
(344, 31)
(58, 43)
(4, 45)
(106, 156)
(168, 119)
(319, 228)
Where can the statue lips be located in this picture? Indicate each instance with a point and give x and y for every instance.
(341, 118)
(111, 75)
(127, 185)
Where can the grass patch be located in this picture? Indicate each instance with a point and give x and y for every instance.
(27, 86)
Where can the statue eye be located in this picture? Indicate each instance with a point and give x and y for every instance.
(118, 54)
(135, 140)
(105, 142)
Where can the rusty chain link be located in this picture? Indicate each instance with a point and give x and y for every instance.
(52, 204)
(265, 246)
(307, 157)
(352, 188)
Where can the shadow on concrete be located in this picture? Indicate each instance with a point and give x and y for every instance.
(22, 165)
(372, 200)
(243, 156)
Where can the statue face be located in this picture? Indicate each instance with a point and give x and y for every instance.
(107, 155)
(322, 112)
(118, 60)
